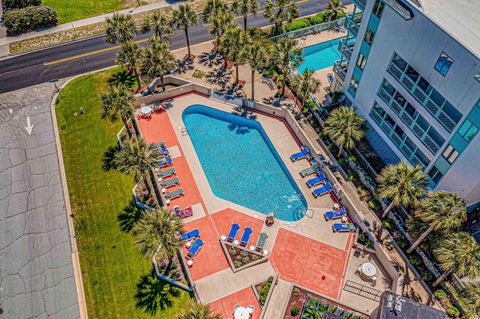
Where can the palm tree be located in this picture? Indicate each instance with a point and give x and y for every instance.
(117, 102)
(280, 11)
(136, 157)
(184, 17)
(244, 8)
(306, 84)
(157, 22)
(157, 60)
(231, 44)
(287, 55)
(458, 253)
(345, 127)
(333, 9)
(158, 232)
(198, 311)
(120, 28)
(258, 55)
(470, 300)
(129, 56)
(220, 22)
(212, 8)
(401, 184)
(443, 211)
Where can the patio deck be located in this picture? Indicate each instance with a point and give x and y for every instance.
(244, 297)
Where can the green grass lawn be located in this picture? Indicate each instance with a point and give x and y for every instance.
(117, 279)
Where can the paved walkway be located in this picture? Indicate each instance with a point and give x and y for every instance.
(280, 296)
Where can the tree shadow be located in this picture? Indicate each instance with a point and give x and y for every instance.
(122, 77)
(182, 66)
(130, 216)
(154, 294)
(219, 76)
(108, 158)
(210, 59)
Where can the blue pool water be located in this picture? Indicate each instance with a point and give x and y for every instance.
(241, 164)
(319, 56)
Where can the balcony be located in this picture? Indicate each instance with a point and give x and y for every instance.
(345, 46)
(340, 69)
(352, 22)
(361, 4)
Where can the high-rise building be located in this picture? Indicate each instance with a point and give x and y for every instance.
(412, 69)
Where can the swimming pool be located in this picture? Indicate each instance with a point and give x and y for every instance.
(241, 164)
(320, 56)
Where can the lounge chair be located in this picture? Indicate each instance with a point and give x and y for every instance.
(176, 193)
(343, 227)
(183, 213)
(316, 180)
(191, 234)
(247, 233)
(164, 162)
(302, 154)
(159, 145)
(309, 171)
(233, 232)
(262, 239)
(166, 183)
(335, 215)
(322, 190)
(167, 172)
(193, 251)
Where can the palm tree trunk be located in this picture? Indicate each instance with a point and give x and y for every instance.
(387, 210)
(137, 76)
(340, 150)
(253, 84)
(125, 122)
(442, 277)
(236, 71)
(162, 81)
(245, 23)
(420, 239)
(188, 41)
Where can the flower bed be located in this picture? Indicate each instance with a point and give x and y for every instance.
(263, 289)
(241, 257)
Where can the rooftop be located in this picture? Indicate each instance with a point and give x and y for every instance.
(459, 18)
(397, 307)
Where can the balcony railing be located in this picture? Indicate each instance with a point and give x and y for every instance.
(352, 22)
(361, 4)
(340, 69)
(345, 46)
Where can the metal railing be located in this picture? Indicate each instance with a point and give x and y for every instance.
(340, 69)
(352, 22)
(331, 25)
(360, 4)
(345, 46)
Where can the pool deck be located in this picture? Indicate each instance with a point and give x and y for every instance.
(322, 262)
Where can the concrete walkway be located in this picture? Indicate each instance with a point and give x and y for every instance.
(278, 300)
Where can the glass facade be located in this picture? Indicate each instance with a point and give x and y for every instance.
(443, 64)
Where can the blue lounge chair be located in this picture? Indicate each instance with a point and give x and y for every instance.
(262, 239)
(343, 227)
(233, 232)
(316, 180)
(176, 193)
(191, 234)
(247, 233)
(167, 172)
(193, 251)
(166, 183)
(309, 171)
(322, 190)
(335, 215)
(302, 154)
(164, 162)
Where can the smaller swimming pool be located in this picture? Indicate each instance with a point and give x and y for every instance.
(320, 56)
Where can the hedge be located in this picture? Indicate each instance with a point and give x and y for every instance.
(318, 18)
(17, 4)
(298, 24)
(29, 19)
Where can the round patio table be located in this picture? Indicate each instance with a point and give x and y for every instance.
(241, 313)
(146, 110)
(369, 269)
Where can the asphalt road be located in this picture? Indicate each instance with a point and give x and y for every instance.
(34, 68)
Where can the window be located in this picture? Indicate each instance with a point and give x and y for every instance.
(378, 8)
(468, 130)
(369, 36)
(354, 84)
(435, 174)
(388, 88)
(361, 61)
(398, 61)
(412, 74)
(443, 64)
(450, 154)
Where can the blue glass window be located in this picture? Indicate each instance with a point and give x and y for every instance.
(468, 130)
(443, 64)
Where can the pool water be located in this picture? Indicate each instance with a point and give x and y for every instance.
(319, 56)
(241, 164)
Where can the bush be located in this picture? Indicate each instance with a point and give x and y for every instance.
(298, 24)
(426, 275)
(295, 311)
(341, 161)
(388, 224)
(453, 311)
(440, 294)
(415, 261)
(372, 204)
(352, 158)
(341, 15)
(18, 4)
(318, 18)
(265, 290)
(29, 19)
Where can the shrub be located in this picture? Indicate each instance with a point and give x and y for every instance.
(341, 161)
(352, 176)
(402, 243)
(296, 292)
(265, 290)
(298, 24)
(440, 294)
(318, 18)
(18, 4)
(341, 15)
(453, 311)
(29, 19)
(198, 74)
(388, 224)
(414, 260)
(352, 158)
(426, 275)
(295, 311)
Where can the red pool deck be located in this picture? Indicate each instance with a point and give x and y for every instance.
(244, 297)
(225, 218)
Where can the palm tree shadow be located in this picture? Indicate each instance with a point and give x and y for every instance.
(122, 77)
(108, 158)
(182, 66)
(210, 59)
(130, 216)
(245, 113)
(154, 294)
(219, 76)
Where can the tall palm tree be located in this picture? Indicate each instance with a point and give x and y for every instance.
(401, 184)
(458, 253)
(129, 56)
(157, 22)
(157, 60)
(244, 8)
(231, 45)
(220, 22)
(117, 102)
(307, 84)
(470, 300)
(158, 232)
(443, 211)
(198, 311)
(120, 28)
(345, 127)
(183, 18)
(287, 55)
(333, 9)
(212, 8)
(258, 56)
(280, 11)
